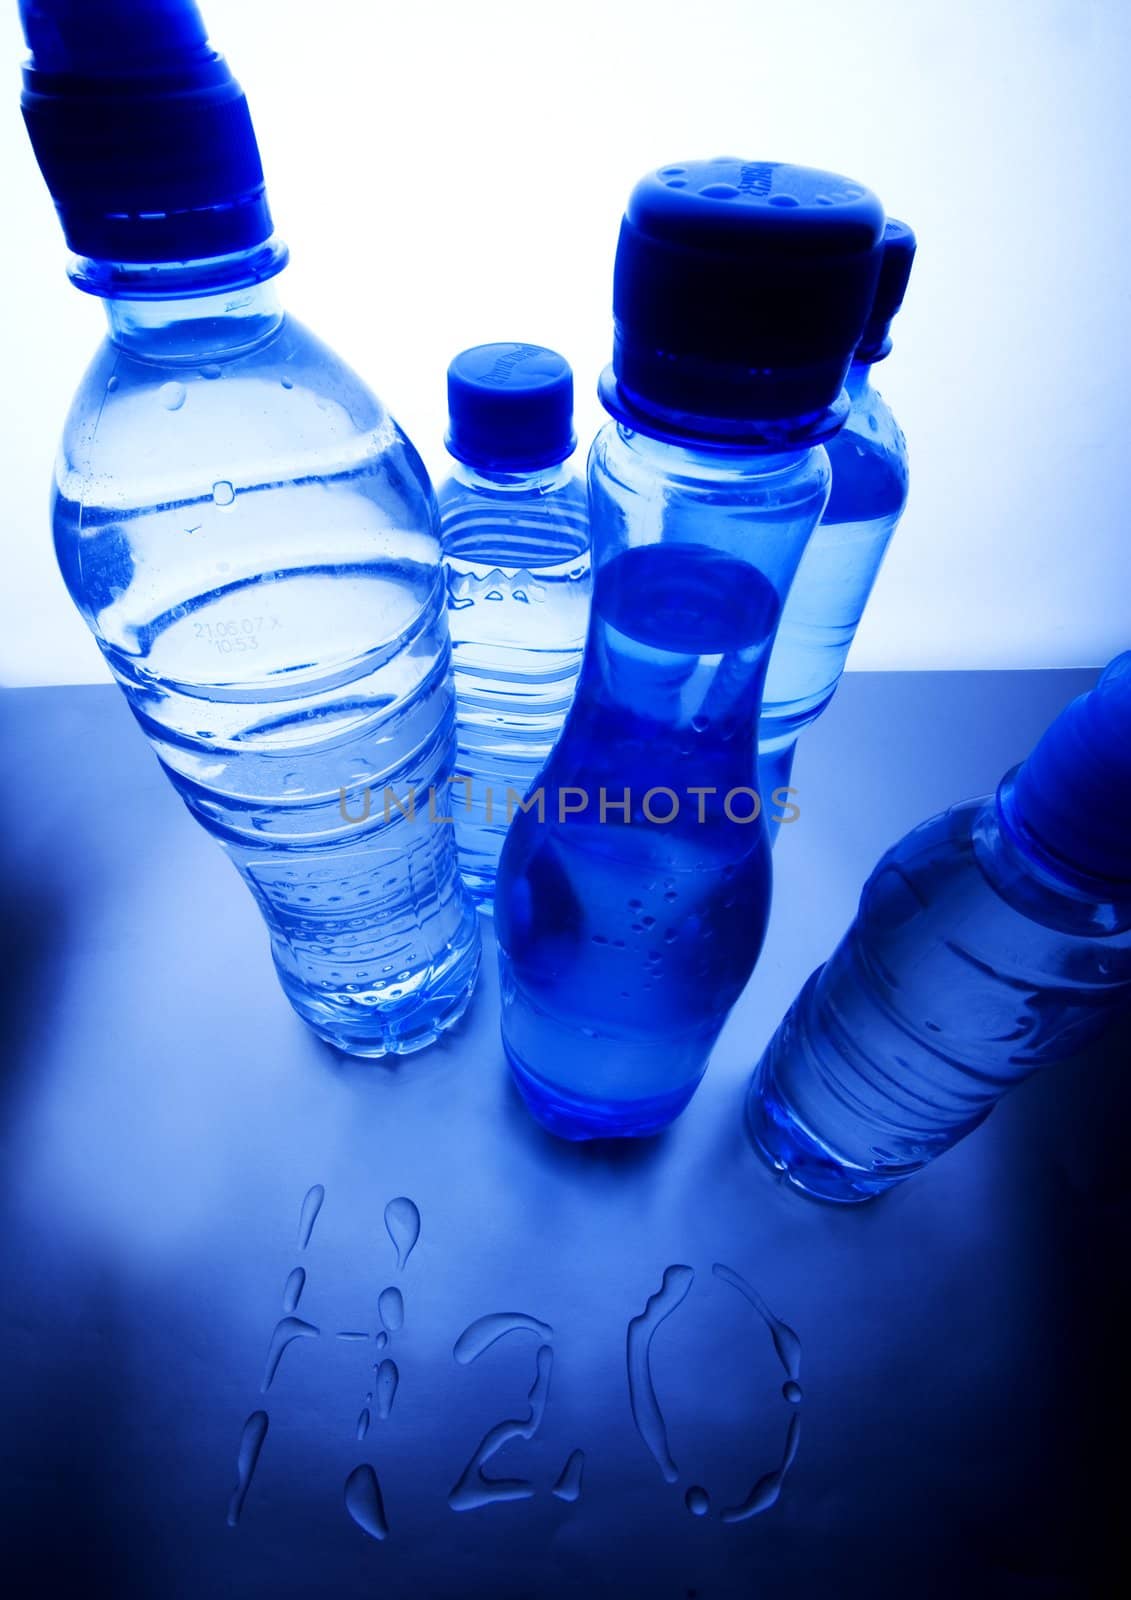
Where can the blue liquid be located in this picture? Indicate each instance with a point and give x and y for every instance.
(624, 943)
(254, 545)
(516, 549)
(966, 969)
(835, 576)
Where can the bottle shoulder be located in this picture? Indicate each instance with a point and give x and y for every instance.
(142, 427)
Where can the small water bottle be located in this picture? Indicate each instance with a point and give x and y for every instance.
(842, 559)
(634, 886)
(251, 539)
(992, 940)
(515, 533)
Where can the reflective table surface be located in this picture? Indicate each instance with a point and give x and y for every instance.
(231, 1367)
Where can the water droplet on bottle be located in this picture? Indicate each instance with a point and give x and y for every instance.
(402, 1222)
(786, 1342)
(646, 1413)
(292, 1292)
(697, 1501)
(251, 1443)
(111, 384)
(568, 1486)
(481, 1334)
(700, 723)
(792, 1392)
(648, 922)
(287, 1330)
(353, 1337)
(363, 1424)
(308, 1214)
(386, 1391)
(382, 1340)
(390, 1306)
(288, 383)
(364, 1502)
(211, 371)
(222, 493)
(635, 905)
(670, 895)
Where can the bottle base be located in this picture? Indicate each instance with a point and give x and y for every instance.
(372, 1033)
(789, 1148)
(574, 1119)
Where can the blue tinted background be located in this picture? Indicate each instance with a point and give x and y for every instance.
(164, 1114)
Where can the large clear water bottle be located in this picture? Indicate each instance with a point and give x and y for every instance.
(515, 531)
(842, 559)
(992, 940)
(634, 887)
(248, 534)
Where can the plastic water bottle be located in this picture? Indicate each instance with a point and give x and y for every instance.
(992, 940)
(842, 559)
(634, 888)
(515, 531)
(251, 539)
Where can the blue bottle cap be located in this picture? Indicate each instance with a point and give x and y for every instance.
(895, 270)
(510, 407)
(141, 132)
(1073, 793)
(740, 292)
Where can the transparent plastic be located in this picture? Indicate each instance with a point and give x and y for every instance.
(254, 545)
(970, 964)
(516, 549)
(627, 928)
(836, 575)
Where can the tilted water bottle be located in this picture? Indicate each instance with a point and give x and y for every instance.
(842, 559)
(992, 940)
(515, 530)
(634, 888)
(248, 534)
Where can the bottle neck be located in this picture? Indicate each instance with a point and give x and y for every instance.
(188, 310)
(536, 480)
(705, 461)
(205, 327)
(859, 382)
